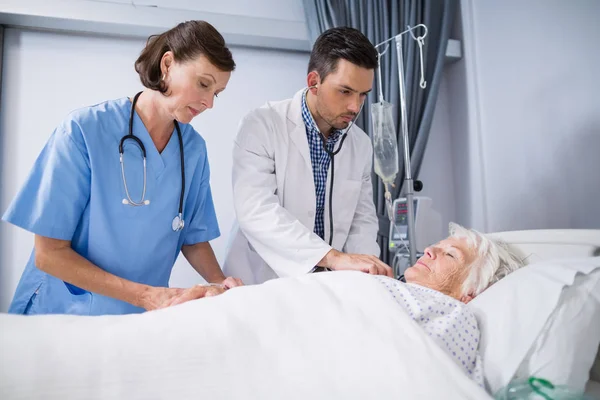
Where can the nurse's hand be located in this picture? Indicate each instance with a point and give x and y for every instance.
(337, 260)
(158, 297)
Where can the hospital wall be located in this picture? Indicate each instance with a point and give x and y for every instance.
(525, 125)
(438, 164)
(46, 75)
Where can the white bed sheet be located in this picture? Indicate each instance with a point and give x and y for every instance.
(322, 336)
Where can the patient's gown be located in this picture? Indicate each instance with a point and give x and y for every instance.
(446, 320)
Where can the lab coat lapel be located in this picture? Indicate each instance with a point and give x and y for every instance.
(297, 129)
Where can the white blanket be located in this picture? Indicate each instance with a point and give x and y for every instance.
(336, 335)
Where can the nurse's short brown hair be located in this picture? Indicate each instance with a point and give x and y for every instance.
(187, 41)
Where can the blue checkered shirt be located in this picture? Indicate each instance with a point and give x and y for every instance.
(320, 162)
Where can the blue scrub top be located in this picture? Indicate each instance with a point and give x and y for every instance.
(75, 192)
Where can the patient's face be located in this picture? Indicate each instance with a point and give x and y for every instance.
(444, 267)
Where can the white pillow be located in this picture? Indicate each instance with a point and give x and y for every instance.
(513, 313)
(566, 349)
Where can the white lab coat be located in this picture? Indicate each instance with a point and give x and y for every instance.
(275, 201)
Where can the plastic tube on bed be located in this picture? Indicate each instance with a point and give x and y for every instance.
(537, 388)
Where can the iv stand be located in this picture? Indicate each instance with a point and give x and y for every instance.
(407, 169)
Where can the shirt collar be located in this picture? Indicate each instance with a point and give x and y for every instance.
(310, 123)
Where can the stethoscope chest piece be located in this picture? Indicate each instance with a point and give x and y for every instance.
(177, 223)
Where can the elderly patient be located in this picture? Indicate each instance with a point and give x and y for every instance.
(438, 287)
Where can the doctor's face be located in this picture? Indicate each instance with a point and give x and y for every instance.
(444, 267)
(192, 85)
(340, 95)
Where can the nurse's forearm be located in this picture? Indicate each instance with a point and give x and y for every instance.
(202, 257)
(57, 258)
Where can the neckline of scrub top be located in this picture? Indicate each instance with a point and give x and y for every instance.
(156, 160)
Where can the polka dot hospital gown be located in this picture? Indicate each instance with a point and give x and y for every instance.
(446, 320)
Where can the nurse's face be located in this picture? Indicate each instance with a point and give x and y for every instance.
(192, 85)
(341, 94)
(444, 267)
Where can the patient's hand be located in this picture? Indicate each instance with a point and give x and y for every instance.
(158, 297)
(231, 282)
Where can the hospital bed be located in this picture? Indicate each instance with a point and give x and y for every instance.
(541, 247)
(259, 348)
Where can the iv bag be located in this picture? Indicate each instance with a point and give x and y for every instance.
(385, 143)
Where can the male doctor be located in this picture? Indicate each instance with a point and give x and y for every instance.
(286, 155)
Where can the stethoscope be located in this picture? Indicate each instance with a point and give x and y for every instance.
(178, 222)
(332, 154)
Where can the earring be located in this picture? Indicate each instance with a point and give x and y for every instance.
(163, 77)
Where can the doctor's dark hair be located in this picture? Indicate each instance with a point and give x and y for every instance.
(187, 41)
(342, 42)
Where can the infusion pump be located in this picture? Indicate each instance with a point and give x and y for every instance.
(428, 225)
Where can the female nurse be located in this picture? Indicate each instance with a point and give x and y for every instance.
(122, 187)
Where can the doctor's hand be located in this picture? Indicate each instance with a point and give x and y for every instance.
(337, 261)
(160, 297)
(231, 282)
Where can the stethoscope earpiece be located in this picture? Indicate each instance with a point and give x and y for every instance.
(178, 222)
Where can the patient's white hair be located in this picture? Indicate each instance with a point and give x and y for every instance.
(494, 260)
